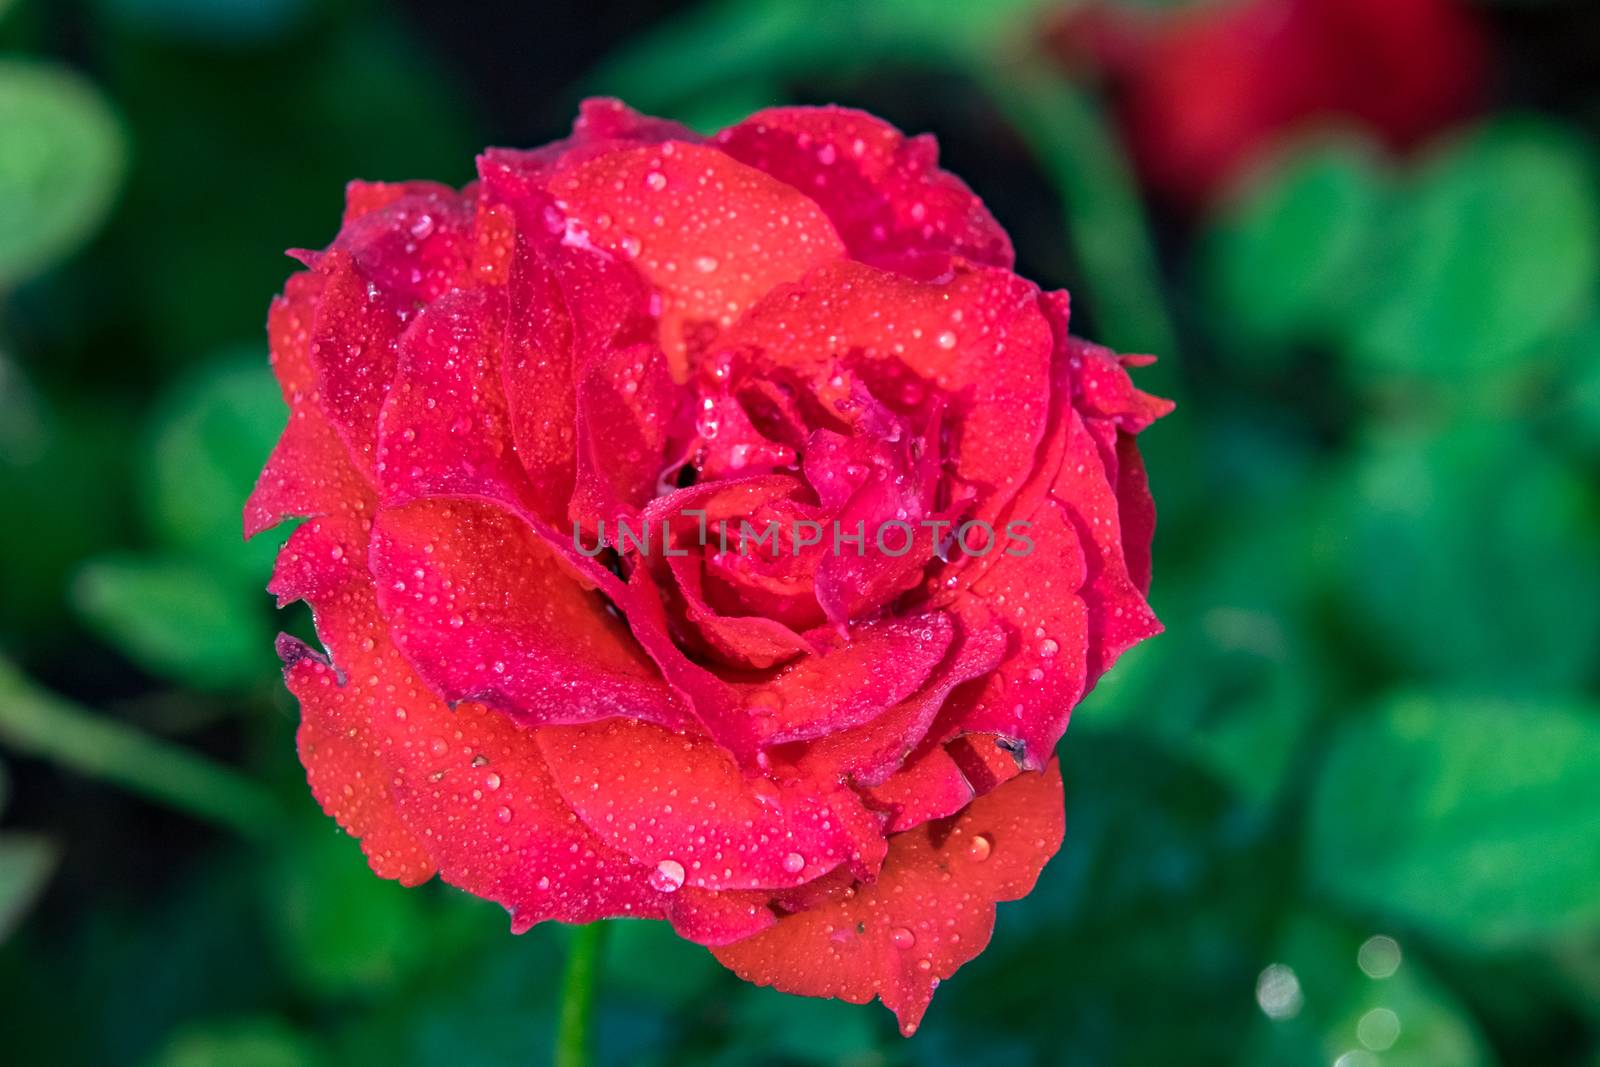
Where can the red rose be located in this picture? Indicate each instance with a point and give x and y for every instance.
(524, 418)
(1204, 88)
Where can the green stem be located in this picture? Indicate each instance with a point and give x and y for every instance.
(37, 723)
(1106, 222)
(574, 1043)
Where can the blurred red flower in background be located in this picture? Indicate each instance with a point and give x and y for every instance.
(1203, 88)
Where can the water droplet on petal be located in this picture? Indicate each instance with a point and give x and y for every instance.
(900, 937)
(667, 877)
(502, 815)
(794, 863)
(979, 847)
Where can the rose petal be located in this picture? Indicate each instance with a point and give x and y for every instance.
(383, 265)
(869, 754)
(444, 428)
(628, 407)
(487, 611)
(978, 337)
(309, 471)
(674, 802)
(467, 785)
(929, 787)
(930, 910)
(711, 234)
(348, 783)
(884, 192)
(852, 681)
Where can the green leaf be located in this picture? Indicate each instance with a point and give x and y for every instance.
(1233, 682)
(209, 439)
(26, 863)
(1139, 944)
(1463, 554)
(343, 930)
(1468, 817)
(1330, 991)
(1288, 257)
(735, 42)
(1496, 247)
(61, 160)
(262, 1042)
(36, 722)
(175, 619)
(237, 22)
(1576, 412)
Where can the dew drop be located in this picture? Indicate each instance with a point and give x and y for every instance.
(794, 863)
(1048, 648)
(502, 815)
(656, 180)
(491, 781)
(979, 847)
(902, 938)
(947, 340)
(667, 877)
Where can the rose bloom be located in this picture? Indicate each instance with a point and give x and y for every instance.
(826, 761)
(1202, 89)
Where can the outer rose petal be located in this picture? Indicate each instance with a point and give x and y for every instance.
(382, 267)
(467, 784)
(444, 428)
(884, 192)
(486, 611)
(930, 910)
(309, 472)
(604, 124)
(710, 233)
(347, 781)
(1137, 511)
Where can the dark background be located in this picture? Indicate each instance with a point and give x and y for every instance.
(1374, 714)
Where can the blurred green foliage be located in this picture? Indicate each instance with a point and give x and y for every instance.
(1347, 810)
